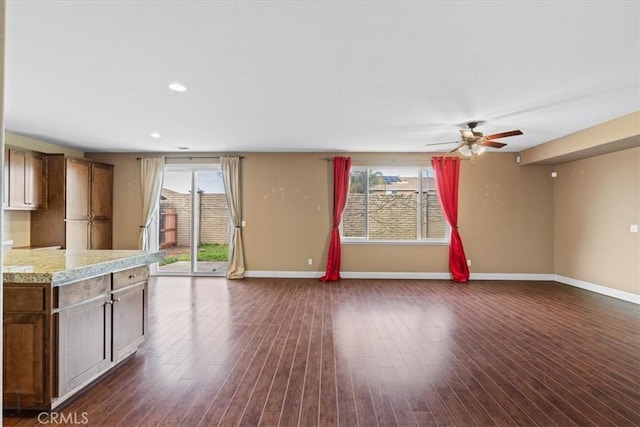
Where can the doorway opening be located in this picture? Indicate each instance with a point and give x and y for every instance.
(193, 222)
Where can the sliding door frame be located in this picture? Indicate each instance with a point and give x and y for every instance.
(194, 169)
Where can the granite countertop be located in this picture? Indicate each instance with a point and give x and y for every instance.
(64, 266)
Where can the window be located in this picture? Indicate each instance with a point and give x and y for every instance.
(393, 204)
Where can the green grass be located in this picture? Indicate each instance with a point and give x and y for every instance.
(206, 252)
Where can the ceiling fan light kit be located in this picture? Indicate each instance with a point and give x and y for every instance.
(465, 150)
(477, 149)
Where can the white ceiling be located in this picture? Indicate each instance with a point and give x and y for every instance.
(375, 76)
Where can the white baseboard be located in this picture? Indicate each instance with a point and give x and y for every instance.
(397, 275)
(346, 275)
(512, 276)
(393, 275)
(626, 296)
(284, 274)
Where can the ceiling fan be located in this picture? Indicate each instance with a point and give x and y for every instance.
(475, 142)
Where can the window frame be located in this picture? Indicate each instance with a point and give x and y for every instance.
(421, 241)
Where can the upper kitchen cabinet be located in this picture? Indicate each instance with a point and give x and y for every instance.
(77, 187)
(26, 179)
(101, 202)
(80, 205)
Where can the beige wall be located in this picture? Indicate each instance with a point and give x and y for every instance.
(285, 206)
(596, 200)
(506, 215)
(16, 224)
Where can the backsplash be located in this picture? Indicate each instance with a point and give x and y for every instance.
(17, 227)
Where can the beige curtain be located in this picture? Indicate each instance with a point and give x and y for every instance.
(231, 178)
(151, 176)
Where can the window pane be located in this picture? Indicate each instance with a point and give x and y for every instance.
(213, 222)
(393, 203)
(353, 218)
(175, 221)
(434, 225)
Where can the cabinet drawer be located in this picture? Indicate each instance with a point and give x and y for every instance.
(24, 300)
(128, 277)
(80, 291)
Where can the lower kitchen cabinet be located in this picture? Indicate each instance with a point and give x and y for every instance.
(24, 360)
(129, 296)
(83, 332)
(129, 320)
(58, 339)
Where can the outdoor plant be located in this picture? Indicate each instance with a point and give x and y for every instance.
(206, 252)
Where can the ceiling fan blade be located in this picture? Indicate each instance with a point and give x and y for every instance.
(504, 134)
(493, 144)
(456, 149)
(442, 143)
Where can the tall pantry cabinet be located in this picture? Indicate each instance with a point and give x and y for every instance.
(80, 205)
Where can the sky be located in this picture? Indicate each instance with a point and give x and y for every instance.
(208, 181)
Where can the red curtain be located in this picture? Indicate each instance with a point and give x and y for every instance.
(447, 171)
(341, 171)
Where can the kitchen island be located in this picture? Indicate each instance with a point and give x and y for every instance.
(69, 317)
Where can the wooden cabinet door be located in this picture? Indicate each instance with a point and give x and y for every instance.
(100, 234)
(78, 181)
(23, 360)
(35, 180)
(129, 319)
(17, 160)
(84, 343)
(25, 179)
(101, 191)
(77, 234)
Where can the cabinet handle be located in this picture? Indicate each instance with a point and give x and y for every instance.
(115, 300)
(132, 276)
(110, 302)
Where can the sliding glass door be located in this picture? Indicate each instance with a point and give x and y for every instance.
(193, 222)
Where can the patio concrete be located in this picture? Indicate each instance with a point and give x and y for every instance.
(202, 267)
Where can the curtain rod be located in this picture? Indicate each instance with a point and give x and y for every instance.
(330, 159)
(192, 157)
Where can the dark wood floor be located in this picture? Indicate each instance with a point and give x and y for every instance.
(294, 352)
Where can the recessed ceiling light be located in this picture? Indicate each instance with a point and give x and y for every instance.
(177, 87)
(155, 135)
